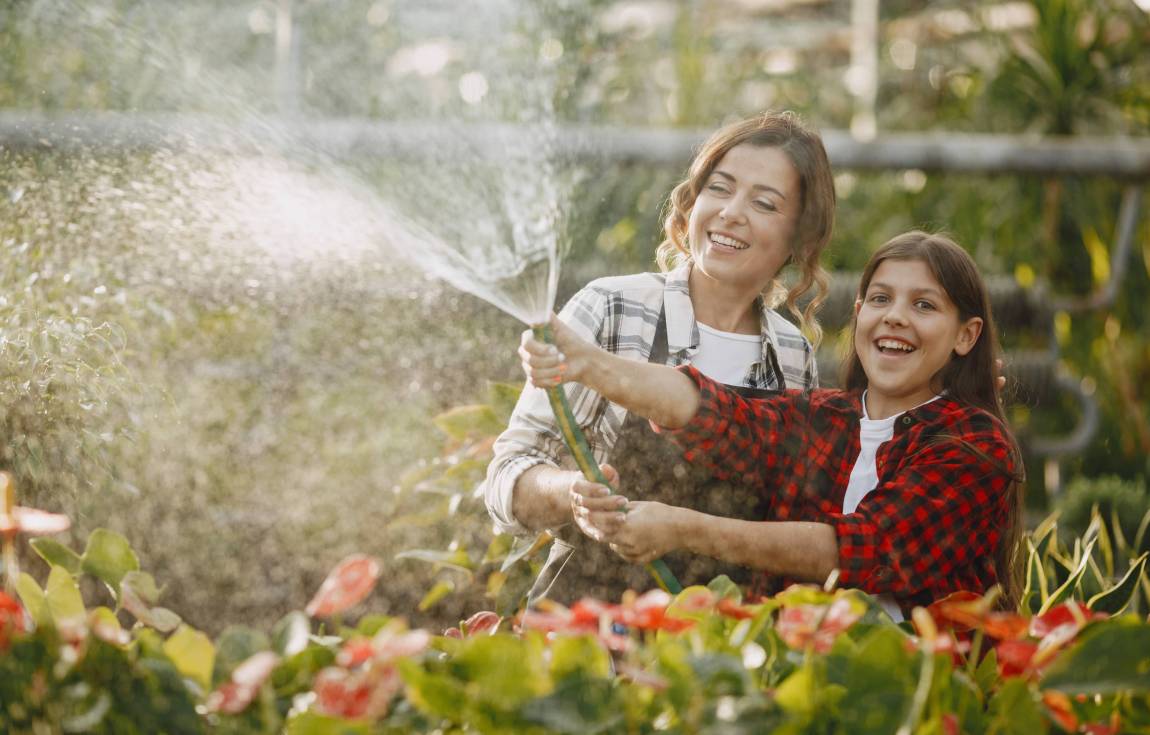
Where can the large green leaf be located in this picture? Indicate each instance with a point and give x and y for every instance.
(1115, 599)
(108, 557)
(464, 422)
(57, 554)
(34, 601)
(1111, 657)
(503, 397)
(192, 653)
(63, 599)
(139, 595)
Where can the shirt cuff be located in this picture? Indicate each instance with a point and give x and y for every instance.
(499, 493)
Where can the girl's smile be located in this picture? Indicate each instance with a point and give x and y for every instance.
(907, 330)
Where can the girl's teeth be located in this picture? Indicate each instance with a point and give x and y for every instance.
(728, 242)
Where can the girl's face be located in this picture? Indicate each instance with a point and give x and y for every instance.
(906, 330)
(743, 220)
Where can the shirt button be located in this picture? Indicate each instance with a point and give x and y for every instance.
(907, 420)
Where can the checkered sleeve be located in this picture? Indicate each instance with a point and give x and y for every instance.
(934, 527)
(734, 437)
(532, 436)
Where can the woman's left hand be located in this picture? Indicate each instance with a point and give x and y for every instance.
(648, 532)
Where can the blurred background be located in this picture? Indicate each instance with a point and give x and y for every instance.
(223, 226)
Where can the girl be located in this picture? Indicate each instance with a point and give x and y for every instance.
(759, 195)
(906, 482)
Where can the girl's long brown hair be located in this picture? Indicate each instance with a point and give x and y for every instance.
(804, 147)
(970, 379)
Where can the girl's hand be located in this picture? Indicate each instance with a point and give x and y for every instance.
(597, 512)
(650, 530)
(548, 365)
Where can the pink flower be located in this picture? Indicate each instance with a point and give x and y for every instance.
(237, 693)
(346, 586)
(483, 622)
(816, 625)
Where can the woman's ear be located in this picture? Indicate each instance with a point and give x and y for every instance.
(968, 334)
(858, 305)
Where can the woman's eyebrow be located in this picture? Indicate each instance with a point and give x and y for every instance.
(761, 187)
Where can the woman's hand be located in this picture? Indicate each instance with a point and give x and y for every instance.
(650, 530)
(597, 512)
(548, 365)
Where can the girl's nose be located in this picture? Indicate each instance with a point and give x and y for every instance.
(894, 315)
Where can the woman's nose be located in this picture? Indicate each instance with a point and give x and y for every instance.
(894, 314)
(732, 211)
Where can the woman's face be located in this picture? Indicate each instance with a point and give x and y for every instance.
(906, 330)
(743, 222)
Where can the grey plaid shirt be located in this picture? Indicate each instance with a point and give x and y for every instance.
(621, 314)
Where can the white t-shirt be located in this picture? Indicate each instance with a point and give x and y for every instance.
(726, 357)
(873, 433)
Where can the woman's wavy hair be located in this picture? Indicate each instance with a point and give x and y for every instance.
(804, 147)
(969, 379)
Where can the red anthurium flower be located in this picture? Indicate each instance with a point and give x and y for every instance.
(346, 586)
(484, 622)
(1005, 625)
(1059, 709)
(648, 611)
(731, 609)
(237, 693)
(1068, 613)
(950, 724)
(1015, 656)
(394, 642)
(959, 610)
(12, 620)
(356, 695)
(354, 653)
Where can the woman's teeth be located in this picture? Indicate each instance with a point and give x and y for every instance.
(729, 242)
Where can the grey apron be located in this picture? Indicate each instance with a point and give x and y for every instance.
(650, 468)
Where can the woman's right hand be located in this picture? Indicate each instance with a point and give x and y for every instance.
(549, 365)
(597, 512)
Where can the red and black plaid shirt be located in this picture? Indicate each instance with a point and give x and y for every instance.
(932, 524)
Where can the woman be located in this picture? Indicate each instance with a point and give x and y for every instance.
(759, 195)
(906, 482)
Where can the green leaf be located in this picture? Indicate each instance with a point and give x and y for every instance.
(63, 598)
(311, 723)
(1067, 588)
(463, 422)
(503, 397)
(57, 554)
(1115, 599)
(1110, 658)
(234, 646)
(108, 557)
(434, 693)
(139, 594)
(511, 670)
(1014, 710)
(457, 559)
(441, 589)
(582, 655)
(290, 634)
(797, 692)
(34, 601)
(192, 653)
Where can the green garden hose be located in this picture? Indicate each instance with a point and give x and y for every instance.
(585, 460)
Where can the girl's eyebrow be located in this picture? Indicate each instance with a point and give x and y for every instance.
(762, 187)
(929, 290)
